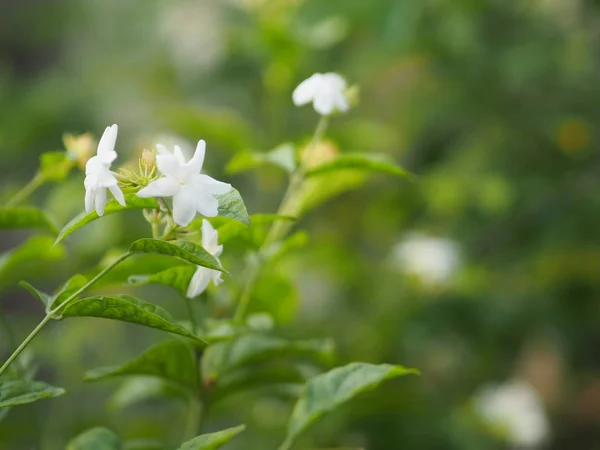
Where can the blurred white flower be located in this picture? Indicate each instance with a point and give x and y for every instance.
(191, 191)
(517, 410)
(325, 91)
(98, 176)
(203, 275)
(433, 260)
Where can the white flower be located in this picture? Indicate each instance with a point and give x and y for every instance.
(203, 275)
(191, 191)
(433, 260)
(325, 91)
(516, 408)
(98, 176)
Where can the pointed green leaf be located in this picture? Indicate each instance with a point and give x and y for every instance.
(70, 287)
(98, 438)
(361, 161)
(231, 205)
(126, 309)
(132, 201)
(15, 391)
(281, 156)
(318, 189)
(55, 166)
(136, 389)
(171, 360)
(46, 299)
(186, 250)
(231, 229)
(25, 217)
(327, 391)
(178, 277)
(212, 441)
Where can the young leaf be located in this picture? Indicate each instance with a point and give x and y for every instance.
(327, 391)
(281, 156)
(176, 277)
(136, 389)
(132, 201)
(186, 250)
(171, 360)
(212, 441)
(127, 309)
(15, 391)
(71, 286)
(55, 166)
(98, 438)
(231, 205)
(361, 161)
(320, 188)
(25, 217)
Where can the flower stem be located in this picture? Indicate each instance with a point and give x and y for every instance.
(52, 313)
(289, 207)
(26, 190)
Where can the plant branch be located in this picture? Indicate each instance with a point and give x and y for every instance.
(26, 190)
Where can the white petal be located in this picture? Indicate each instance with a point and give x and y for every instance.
(163, 187)
(169, 165)
(341, 102)
(209, 185)
(162, 150)
(184, 206)
(210, 239)
(305, 92)
(216, 277)
(100, 201)
(89, 200)
(106, 146)
(117, 194)
(197, 160)
(207, 205)
(324, 102)
(179, 155)
(334, 82)
(199, 282)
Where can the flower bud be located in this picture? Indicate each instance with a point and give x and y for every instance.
(315, 155)
(79, 147)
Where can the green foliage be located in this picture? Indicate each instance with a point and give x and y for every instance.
(177, 277)
(25, 217)
(231, 205)
(55, 166)
(360, 161)
(212, 441)
(70, 287)
(126, 308)
(135, 389)
(283, 156)
(326, 392)
(171, 360)
(98, 438)
(185, 250)
(16, 391)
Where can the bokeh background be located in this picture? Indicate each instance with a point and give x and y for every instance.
(486, 269)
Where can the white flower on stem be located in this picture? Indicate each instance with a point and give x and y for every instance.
(204, 275)
(191, 191)
(98, 176)
(516, 408)
(325, 91)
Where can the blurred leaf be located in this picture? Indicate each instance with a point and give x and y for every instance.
(132, 202)
(46, 299)
(25, 217)
(139, 388)
(15, 391)
(276, 295)
(296, 241)
(98, 438)
(327, 391)
(144, 444)
(176, 277)
(231, 229)
(171, 360)
(231, 205)
(126, 308)
(360, 161)
(55, 166)
(320, 188)
(212, 441)
(282, 156)
(29, 258)
(186, 250)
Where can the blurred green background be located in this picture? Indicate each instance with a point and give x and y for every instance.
(483, 270)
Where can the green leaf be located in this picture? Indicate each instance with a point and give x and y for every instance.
(282, 156)
(98, 438)
(186, 250)
(132, 201)
(127, 309)
(275, 294)
(72, 285)
(144, 444)
(231, 229)
(136, 389)
(327, 391)
(361, 161)
(212, 441)
(231, 205)
(171, 360)
(320, 188)
(55, 166)
(25, 217)
(177, 277)
(15, 391)
(223, 357)
(46, 299)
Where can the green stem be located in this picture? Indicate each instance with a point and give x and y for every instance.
(26, 190)
(289, 207)
(52, 313)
